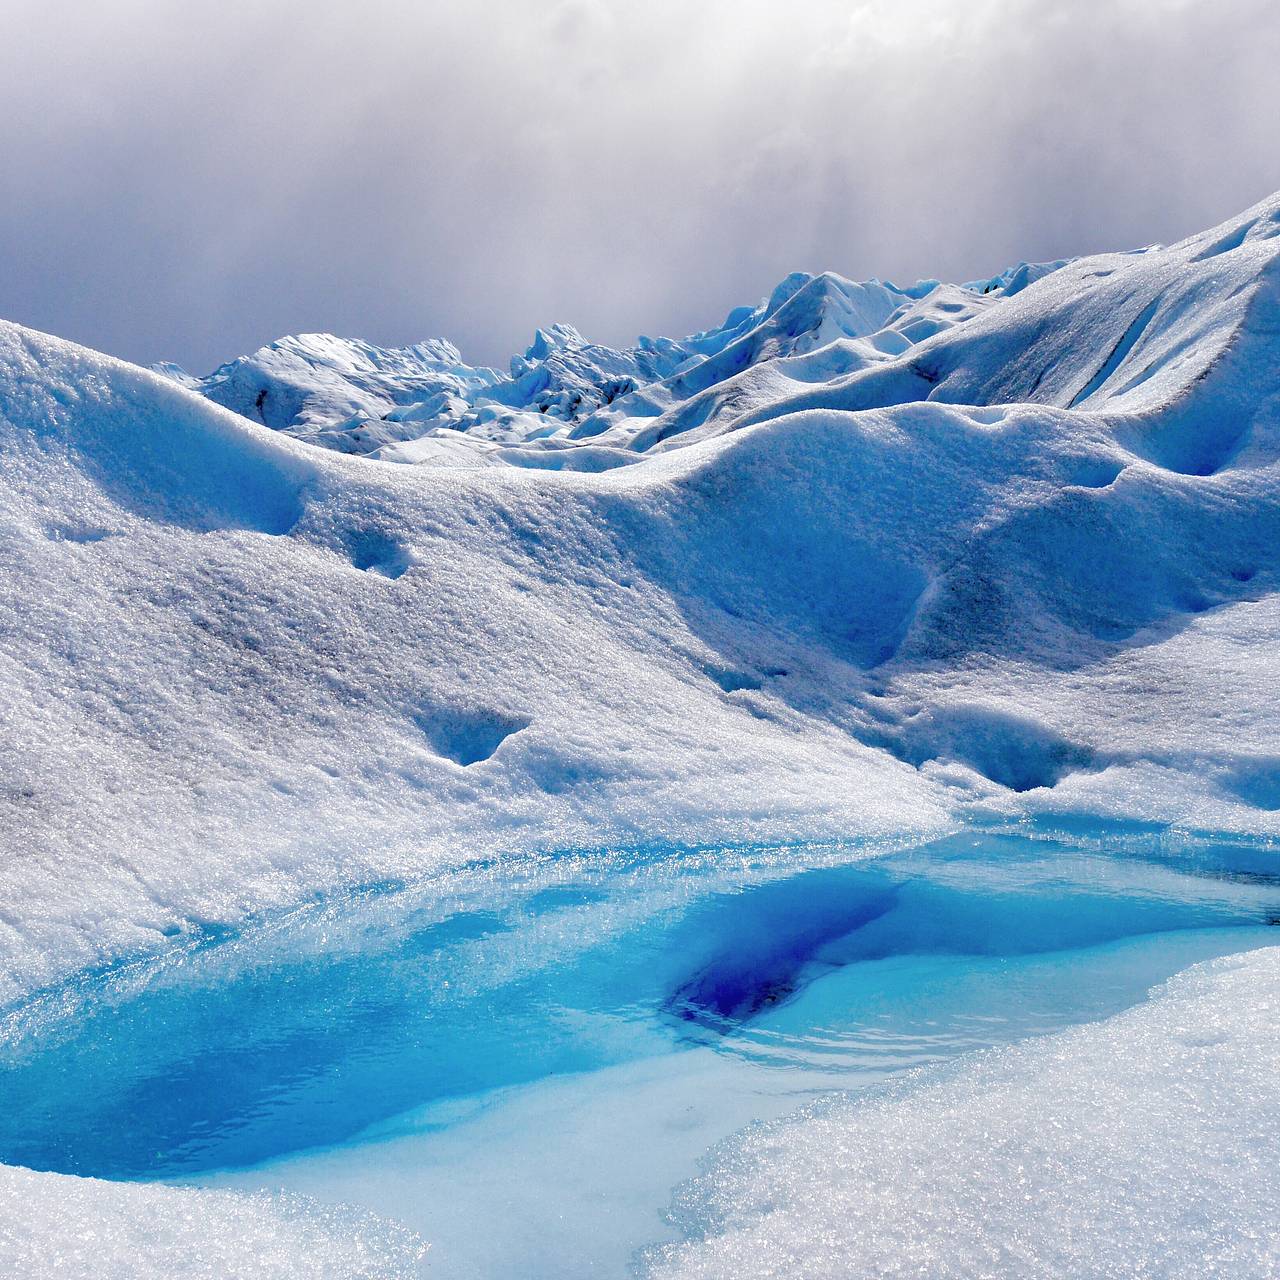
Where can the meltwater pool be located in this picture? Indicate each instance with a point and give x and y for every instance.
(523, 1060)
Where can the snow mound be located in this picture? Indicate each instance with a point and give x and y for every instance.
(145, 445)
(86, 1229)
(335, 391)
(1147, 1145)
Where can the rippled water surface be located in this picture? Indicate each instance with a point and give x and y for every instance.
(522, 1061)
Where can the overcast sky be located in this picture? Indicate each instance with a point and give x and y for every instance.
(189, 180)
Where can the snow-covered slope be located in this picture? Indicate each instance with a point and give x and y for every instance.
(863, 605)
(264, 667)
(1174, 346)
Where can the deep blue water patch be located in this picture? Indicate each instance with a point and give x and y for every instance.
(751, 948)
(305, 1031)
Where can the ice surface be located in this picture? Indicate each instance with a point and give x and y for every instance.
(520, 1062)
(307, 1029)
(83, 1229)
(498, 1196)
(1147, 1145)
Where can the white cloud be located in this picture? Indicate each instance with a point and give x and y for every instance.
(191, 181)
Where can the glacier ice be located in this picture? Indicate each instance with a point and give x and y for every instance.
(862, 561)
(357, 398)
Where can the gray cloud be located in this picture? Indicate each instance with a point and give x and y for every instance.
(188, 181)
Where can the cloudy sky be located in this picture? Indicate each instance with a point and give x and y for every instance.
(188, 181)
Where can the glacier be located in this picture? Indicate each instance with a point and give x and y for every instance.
(410, 404)
(864, 562)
